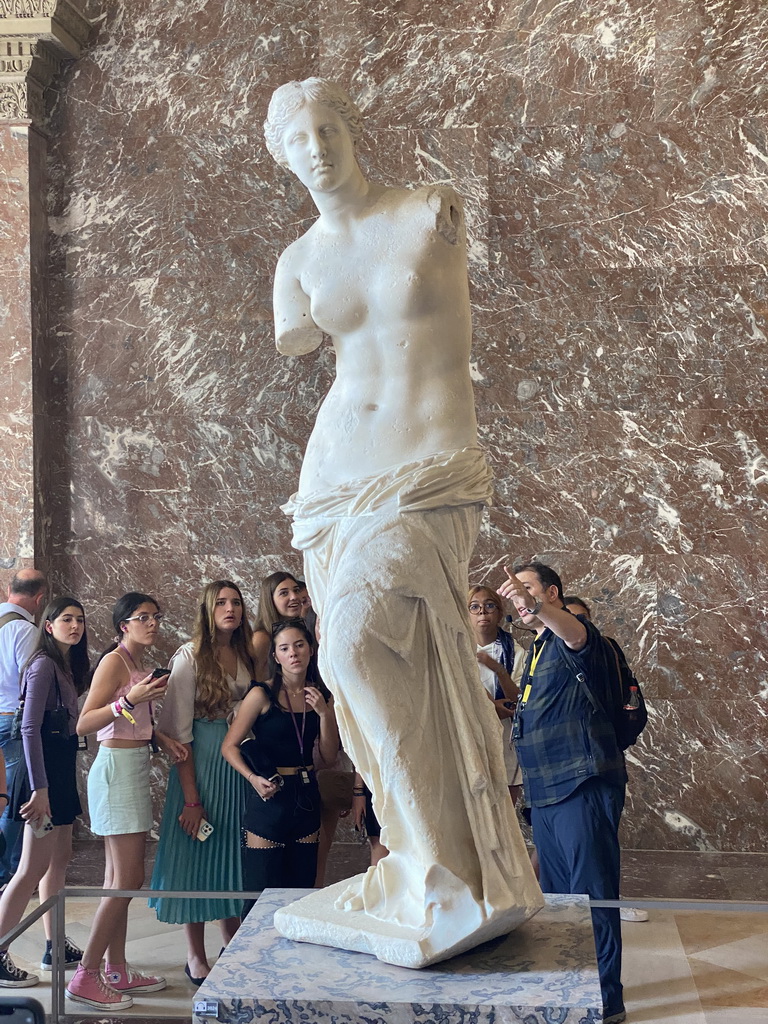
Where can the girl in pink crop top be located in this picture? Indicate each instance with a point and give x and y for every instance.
(118, 709)
(121, 728)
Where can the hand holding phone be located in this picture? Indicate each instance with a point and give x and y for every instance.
(206, 828)
(41, 826)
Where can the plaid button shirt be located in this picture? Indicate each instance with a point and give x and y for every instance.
(560, 739)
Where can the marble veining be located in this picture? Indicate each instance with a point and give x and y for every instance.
(612, 155)
(545, 971)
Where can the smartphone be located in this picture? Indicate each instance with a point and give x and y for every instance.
(20, 1010)
(42, 827)
(160, 672)
(205, 830)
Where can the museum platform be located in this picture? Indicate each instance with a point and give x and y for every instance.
(543, 971)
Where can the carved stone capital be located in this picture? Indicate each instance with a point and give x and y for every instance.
(37, 37)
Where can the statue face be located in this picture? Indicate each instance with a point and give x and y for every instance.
(319, 149)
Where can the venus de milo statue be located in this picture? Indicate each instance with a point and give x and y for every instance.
(390, 497)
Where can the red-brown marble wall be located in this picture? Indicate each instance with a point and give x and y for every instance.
(613, 157)
(16, 326)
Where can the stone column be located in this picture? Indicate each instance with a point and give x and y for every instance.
(37, 37)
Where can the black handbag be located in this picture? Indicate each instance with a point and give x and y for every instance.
(55, 721)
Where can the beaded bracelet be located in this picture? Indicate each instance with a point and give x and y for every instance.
(196, 804)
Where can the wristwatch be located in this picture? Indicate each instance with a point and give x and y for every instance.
(536, 608)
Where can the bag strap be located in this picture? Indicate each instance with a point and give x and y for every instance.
(11, 617)
(581, 677)
(615, 654)
(23, 693)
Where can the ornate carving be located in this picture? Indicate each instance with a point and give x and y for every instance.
(21, 101)
(27, 8)
(36, 38)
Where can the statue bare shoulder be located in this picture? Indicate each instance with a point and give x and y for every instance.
(296, 333)
(442, 209)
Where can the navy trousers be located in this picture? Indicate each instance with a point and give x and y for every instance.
(578, 845)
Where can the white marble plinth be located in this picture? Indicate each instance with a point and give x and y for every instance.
(544, 971)
(316, 918)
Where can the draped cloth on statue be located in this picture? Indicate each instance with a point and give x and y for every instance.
(386, 563)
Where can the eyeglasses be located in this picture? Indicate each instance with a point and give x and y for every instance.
(145, 617)
(487, 606)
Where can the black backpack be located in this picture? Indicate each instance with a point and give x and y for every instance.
(614, 691)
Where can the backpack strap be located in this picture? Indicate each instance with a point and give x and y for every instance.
(11, 617)
(581, 677)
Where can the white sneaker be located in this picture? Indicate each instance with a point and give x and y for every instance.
(633, 914)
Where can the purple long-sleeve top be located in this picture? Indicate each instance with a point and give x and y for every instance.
(40, 680)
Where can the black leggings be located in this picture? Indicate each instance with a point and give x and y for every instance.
(288, 819)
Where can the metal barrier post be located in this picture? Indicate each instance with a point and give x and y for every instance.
(58, 955)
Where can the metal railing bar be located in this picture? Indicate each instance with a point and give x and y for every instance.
(165, 893)
(737, 906)
(32, 916)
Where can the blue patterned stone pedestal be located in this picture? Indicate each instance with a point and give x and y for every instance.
(542, 973)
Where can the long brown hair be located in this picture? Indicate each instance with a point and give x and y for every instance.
(268, 614)
(212, 693)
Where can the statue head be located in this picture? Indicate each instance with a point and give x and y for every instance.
(288, 99)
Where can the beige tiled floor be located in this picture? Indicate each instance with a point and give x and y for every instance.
(682, 967)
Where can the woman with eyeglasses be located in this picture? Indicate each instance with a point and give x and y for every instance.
(500, 659)
(282, 597)
(118, 708)
(209, 677)
(45, 796)
(281, 824)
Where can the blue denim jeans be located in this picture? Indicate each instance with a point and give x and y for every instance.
(13, 752)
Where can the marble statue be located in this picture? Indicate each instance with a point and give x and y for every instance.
(390, 497)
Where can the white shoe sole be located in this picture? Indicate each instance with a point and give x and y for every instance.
(125, 1004)
(139, 990)
(67, 967)
(634, 916)
(29, 982)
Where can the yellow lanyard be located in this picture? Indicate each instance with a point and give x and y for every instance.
(535, 655)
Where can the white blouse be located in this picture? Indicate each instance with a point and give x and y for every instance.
(178, 711)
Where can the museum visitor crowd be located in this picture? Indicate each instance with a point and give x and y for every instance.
(258, 779)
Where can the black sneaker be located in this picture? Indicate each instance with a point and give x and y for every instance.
(72, 956)
(12, 976)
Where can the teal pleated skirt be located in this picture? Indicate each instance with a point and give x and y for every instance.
(187, 864)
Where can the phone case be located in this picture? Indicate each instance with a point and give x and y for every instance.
(43, 827)
(205, 830)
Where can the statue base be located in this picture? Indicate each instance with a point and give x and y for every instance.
(544, 971)
(316, 919)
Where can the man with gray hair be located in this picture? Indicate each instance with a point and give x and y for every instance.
(26, 596)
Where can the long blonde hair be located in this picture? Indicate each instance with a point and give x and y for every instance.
(212, 693)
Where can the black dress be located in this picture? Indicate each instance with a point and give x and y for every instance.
(289, 821)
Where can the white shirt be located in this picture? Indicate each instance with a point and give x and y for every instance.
(487, 675)
(17, 641)
(177, 713)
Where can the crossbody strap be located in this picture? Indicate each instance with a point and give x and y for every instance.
(11, 617)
